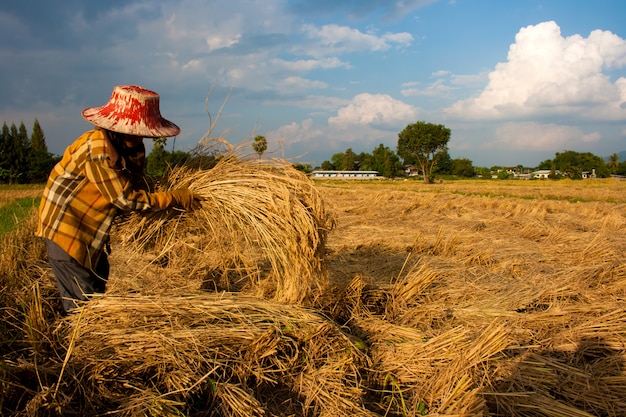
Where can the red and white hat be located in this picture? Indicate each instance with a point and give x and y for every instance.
(132, 110)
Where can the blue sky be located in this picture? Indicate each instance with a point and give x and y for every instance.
(515, 81)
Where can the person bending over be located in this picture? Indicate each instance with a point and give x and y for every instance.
(97, 177)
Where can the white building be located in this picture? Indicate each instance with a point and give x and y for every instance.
(354, 175)
(543, 174)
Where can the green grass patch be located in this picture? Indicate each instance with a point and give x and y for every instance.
(11, 215)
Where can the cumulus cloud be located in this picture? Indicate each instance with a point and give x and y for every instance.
(367, 120)
(375, 110)
(295, 132)
(532, 136)
(548, 74)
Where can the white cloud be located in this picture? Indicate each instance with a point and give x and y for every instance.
(333, 39)
(548, 74)
(294, 133)
(436, 89)
(531, 136)
(311, 64)
(375, 110)
(367, 120)
(293, 83)
(217, 42)
(440, 73)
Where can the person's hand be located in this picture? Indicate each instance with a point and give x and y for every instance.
(186, 199)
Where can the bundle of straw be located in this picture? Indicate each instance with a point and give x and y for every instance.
(261, 218)
(229, 353)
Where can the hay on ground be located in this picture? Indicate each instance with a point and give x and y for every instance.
(153, 355)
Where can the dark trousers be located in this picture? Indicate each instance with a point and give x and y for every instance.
(75, 282)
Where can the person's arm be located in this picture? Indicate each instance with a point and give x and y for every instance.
(117, 189)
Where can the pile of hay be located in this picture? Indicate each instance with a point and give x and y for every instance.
(262, 227)
(208, 354)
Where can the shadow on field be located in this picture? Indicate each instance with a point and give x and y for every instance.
(376, 263)
(585, 377)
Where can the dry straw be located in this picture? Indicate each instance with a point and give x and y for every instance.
(262, 222)
(241, 355)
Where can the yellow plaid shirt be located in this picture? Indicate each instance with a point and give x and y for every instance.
(84, 192)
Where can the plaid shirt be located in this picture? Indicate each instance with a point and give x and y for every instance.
(86, 189)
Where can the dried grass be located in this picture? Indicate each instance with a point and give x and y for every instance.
(261, 220)
(446, 300)
(152, 355)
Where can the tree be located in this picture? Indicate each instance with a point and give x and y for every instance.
(547, 164)
(259, 145)
(306, 168)
(327, 166)
(337, 161)
(463, 167)
(443, 164)
(483, 172)
(613, 163)
(385, 161)
(423, 142)
(41, 161)
(349, 160)
(156, 161)
(574, 163)
(4, 157)
(37, 138)
(15, 148)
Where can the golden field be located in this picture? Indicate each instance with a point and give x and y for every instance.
(463, 298)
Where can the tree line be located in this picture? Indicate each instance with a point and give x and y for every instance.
(425, 145)
(25, 158)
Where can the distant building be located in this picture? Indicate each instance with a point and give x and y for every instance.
(354, 175)
(543, 173)
(411, 170)
(587, 174)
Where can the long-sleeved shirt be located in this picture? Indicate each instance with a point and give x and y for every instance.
(86, 189)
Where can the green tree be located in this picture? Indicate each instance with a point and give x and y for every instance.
(575, 163)
(613, 162)
(443, 164)
(156, 161)
(37, 138)
(306, 168)
(15, 151)
(5, 164)
(547, 164)
(483, 172)
(423, 142)
(365, 162)
(337, 160)
(41, 161)
(386, 162)
(260, 145)
(463, 168)
(349, 162)
(328, 166)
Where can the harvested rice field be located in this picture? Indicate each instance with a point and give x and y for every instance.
(285, 297)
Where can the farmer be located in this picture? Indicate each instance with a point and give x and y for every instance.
(97, 177)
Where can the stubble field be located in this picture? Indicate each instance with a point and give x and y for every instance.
(465, 298)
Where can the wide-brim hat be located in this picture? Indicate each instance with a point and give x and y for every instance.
(132, 110)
